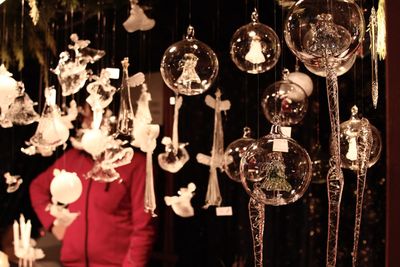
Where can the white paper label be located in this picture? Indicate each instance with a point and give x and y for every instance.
(224, 211)
(287, 131)
(280, 145)
(114, 73)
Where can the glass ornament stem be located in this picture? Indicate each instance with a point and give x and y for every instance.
(373, 33)
(149, 195)
(364, 152)
(335, 181)
(257, 221)
(175, 136)
(126, 115)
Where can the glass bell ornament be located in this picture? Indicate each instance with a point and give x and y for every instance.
(285, 99)
(234, 153)
(255, 47)
(321, 33)
(275, 170)
(8, 91)
(51, 130)
(66, 187)
(189, 67)
(349, 133)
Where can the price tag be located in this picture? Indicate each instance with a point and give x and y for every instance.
(114, 73)
(280, 145)
(287, 131)
(224, 211)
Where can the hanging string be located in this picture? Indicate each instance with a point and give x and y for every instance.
(83, 19)
(113, 37)
(190, 12)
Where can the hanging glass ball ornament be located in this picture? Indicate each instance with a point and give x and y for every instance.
(321, 33)
(303, 80)
(285, 99)
(275, 170)
(189, 66)
(255, 47)
(234, 153)
(349, 133)
(66, 187)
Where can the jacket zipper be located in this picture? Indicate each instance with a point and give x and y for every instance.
(87, 223)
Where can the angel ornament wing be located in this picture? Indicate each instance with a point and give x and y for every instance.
(175, 155)
(216, 160)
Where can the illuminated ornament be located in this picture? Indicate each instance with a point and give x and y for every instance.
(216, 160)
(94, 141)
(181, 204)
(234, 153)
(373, 36)
(66, 187)
(189, 67)
(71, 69)
(381, 42)
(275, 170)
(8, 92)
(175, 155)
(126, 115)
(100, 91)
(349, 142)
(255, 47)
(21, 111)
(326, 37)
(138, 19)
(286, 100)
(303, 80)
(13, 182)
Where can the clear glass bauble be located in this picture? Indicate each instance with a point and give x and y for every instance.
(234, 153)
(349, 133)
(318, 30)
(275, 170)
(66, 187)
(285, 99)
(189, 67)
(255, 47)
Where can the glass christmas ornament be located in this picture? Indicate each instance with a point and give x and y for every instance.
(349, 142)
(339, 69)
(303, 80)
(66, 187)
(275, 170)
(181, 204)
(234, 153)
(8, 92)
(13, 182)
(51, 130)
(321, 32)
(175, 155)
(138, 19)
(94, 141)
(189, 67)
(100, 91)
(21, 111)
(255, 47)
(286, 100)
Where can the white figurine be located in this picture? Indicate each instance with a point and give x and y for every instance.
(181, 204)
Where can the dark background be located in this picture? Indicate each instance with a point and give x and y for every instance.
(295, 235)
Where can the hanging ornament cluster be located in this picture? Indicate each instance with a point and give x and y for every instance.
(175, 155)
(216, 160)
(326, 38)
(255, 47)
(181, 204)
(137, 19)
(285, 99)
(189, 67)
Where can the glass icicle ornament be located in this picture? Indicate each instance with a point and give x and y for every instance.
(257, 222)
(175, 155)
(285, 99)
(8, 92)
(373, 36)
(255, 47)
(189, 67)
(275, 169)
(216, 160)
(326, 37)
(234, 153)
(349, 142)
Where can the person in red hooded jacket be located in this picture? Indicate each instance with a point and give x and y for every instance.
(112, 228)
